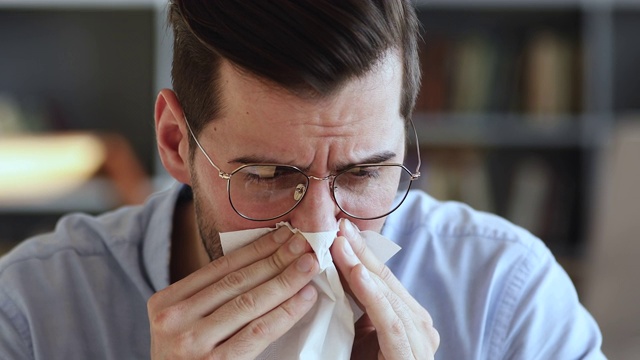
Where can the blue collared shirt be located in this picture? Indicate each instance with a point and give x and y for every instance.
(493, 290)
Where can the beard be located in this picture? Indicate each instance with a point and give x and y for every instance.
(209, 235)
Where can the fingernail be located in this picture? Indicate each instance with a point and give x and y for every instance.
(350, 228)
(308, 292)
(348, 250)
(305, 263)
(364, 274)
(297, 244)
(281, 235)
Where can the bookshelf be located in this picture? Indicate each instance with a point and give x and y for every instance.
(519, 98)
(476, 119)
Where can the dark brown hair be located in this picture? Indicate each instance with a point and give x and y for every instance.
(310, 47)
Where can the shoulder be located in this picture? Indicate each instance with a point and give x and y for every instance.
(67, 273)
(77, 235)
(452, 239)
(491, 286)
(453, 224)
(451, 246)
(114, 239)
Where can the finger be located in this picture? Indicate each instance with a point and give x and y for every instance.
(388, 313)
(345, 259)
(241, 281)
(214, 271)
(237, 313)
(344, 265)
(391, 329)
(258, 334)
(415, 326)
(366, 256)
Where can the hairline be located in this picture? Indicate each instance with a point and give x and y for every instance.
(302, 92)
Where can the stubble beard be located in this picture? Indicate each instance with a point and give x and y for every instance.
(209, 235)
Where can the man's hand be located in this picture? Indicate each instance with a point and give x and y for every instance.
(234, 307)
(395, 325)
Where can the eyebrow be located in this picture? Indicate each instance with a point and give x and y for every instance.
(256, 159)
(372, 159)
(377, 158)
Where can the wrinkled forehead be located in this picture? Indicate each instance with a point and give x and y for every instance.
(271, 124)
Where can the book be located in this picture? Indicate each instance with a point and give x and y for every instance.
(435, 60)
(475, 182)
(549, 80)
(529, 198)
(460, 175)
(473, 73)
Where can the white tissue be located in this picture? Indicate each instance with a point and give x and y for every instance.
(327, 330)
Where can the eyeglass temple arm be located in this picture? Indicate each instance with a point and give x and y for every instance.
(222, 174)
(415, 134)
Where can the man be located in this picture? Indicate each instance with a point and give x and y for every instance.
(288, 111)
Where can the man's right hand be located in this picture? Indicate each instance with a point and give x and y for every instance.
(238, 304)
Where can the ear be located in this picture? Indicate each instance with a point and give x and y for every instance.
(172, 136)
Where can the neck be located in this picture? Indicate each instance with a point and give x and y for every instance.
(187, 252)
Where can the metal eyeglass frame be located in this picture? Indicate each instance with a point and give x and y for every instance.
(227, 176)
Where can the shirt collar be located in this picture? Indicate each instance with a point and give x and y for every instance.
(156, 250)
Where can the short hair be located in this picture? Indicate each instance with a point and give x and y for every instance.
(309, 47)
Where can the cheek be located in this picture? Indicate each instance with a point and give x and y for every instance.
(215, 209)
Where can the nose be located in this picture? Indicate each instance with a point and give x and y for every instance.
(317, 211)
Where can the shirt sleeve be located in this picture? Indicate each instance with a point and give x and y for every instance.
(541, 316)
(14, 331)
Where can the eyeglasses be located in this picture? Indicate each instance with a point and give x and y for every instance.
(263, 192)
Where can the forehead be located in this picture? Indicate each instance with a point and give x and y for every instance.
(240, 88)
(361, 117)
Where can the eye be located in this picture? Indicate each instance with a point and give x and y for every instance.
(257, 174)
(272, 175)
(255, 178)
(372, 172)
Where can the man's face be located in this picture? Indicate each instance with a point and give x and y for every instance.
(261, 123)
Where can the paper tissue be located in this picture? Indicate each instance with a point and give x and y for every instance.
(327, 330)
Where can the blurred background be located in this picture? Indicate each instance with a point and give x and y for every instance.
(529, 109)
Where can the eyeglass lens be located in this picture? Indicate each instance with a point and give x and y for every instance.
(263, 192)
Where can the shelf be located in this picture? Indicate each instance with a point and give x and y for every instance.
(626, 4)
(120, 50)
(93, 196)
(528, 4)
(487, 130)
(83, 4)
(626, 78)
(501, 4)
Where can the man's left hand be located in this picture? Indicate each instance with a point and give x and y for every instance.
(395, 325)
